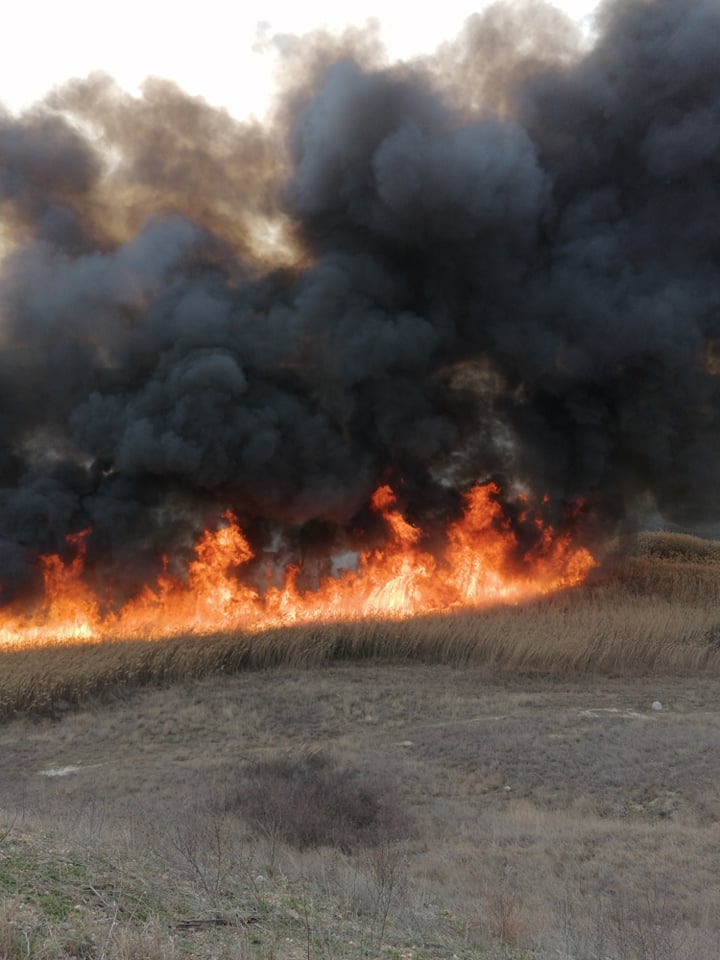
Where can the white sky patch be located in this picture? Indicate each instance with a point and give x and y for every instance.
(210, 48)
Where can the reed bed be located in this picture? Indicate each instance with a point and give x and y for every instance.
(656, 611)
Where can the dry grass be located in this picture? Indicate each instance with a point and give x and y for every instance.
(482, 786)
(548, 818)
(677, 547)
(655, 611)
(517, 817)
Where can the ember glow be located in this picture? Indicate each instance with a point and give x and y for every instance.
(478, 566)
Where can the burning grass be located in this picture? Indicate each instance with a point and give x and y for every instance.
(228, 587)
(655, 612)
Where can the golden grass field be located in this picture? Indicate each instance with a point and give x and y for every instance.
(480, 785)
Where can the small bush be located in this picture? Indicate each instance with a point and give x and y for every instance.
(311, 801)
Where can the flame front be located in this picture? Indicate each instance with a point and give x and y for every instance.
(477, 567)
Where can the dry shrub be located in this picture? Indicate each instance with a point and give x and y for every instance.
(640, 926)
(313, 801)
(204, 841)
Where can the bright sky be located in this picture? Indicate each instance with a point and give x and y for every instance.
(205, 46)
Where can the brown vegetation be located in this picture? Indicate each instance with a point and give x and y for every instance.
(655, 611)
(488, 786)
(309, 800)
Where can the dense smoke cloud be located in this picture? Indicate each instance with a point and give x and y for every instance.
(500, 262)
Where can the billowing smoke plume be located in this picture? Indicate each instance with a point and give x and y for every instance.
(500, 262)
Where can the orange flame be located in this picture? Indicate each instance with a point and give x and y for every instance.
(476, 568)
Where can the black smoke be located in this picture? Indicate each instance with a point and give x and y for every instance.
(501, 262)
